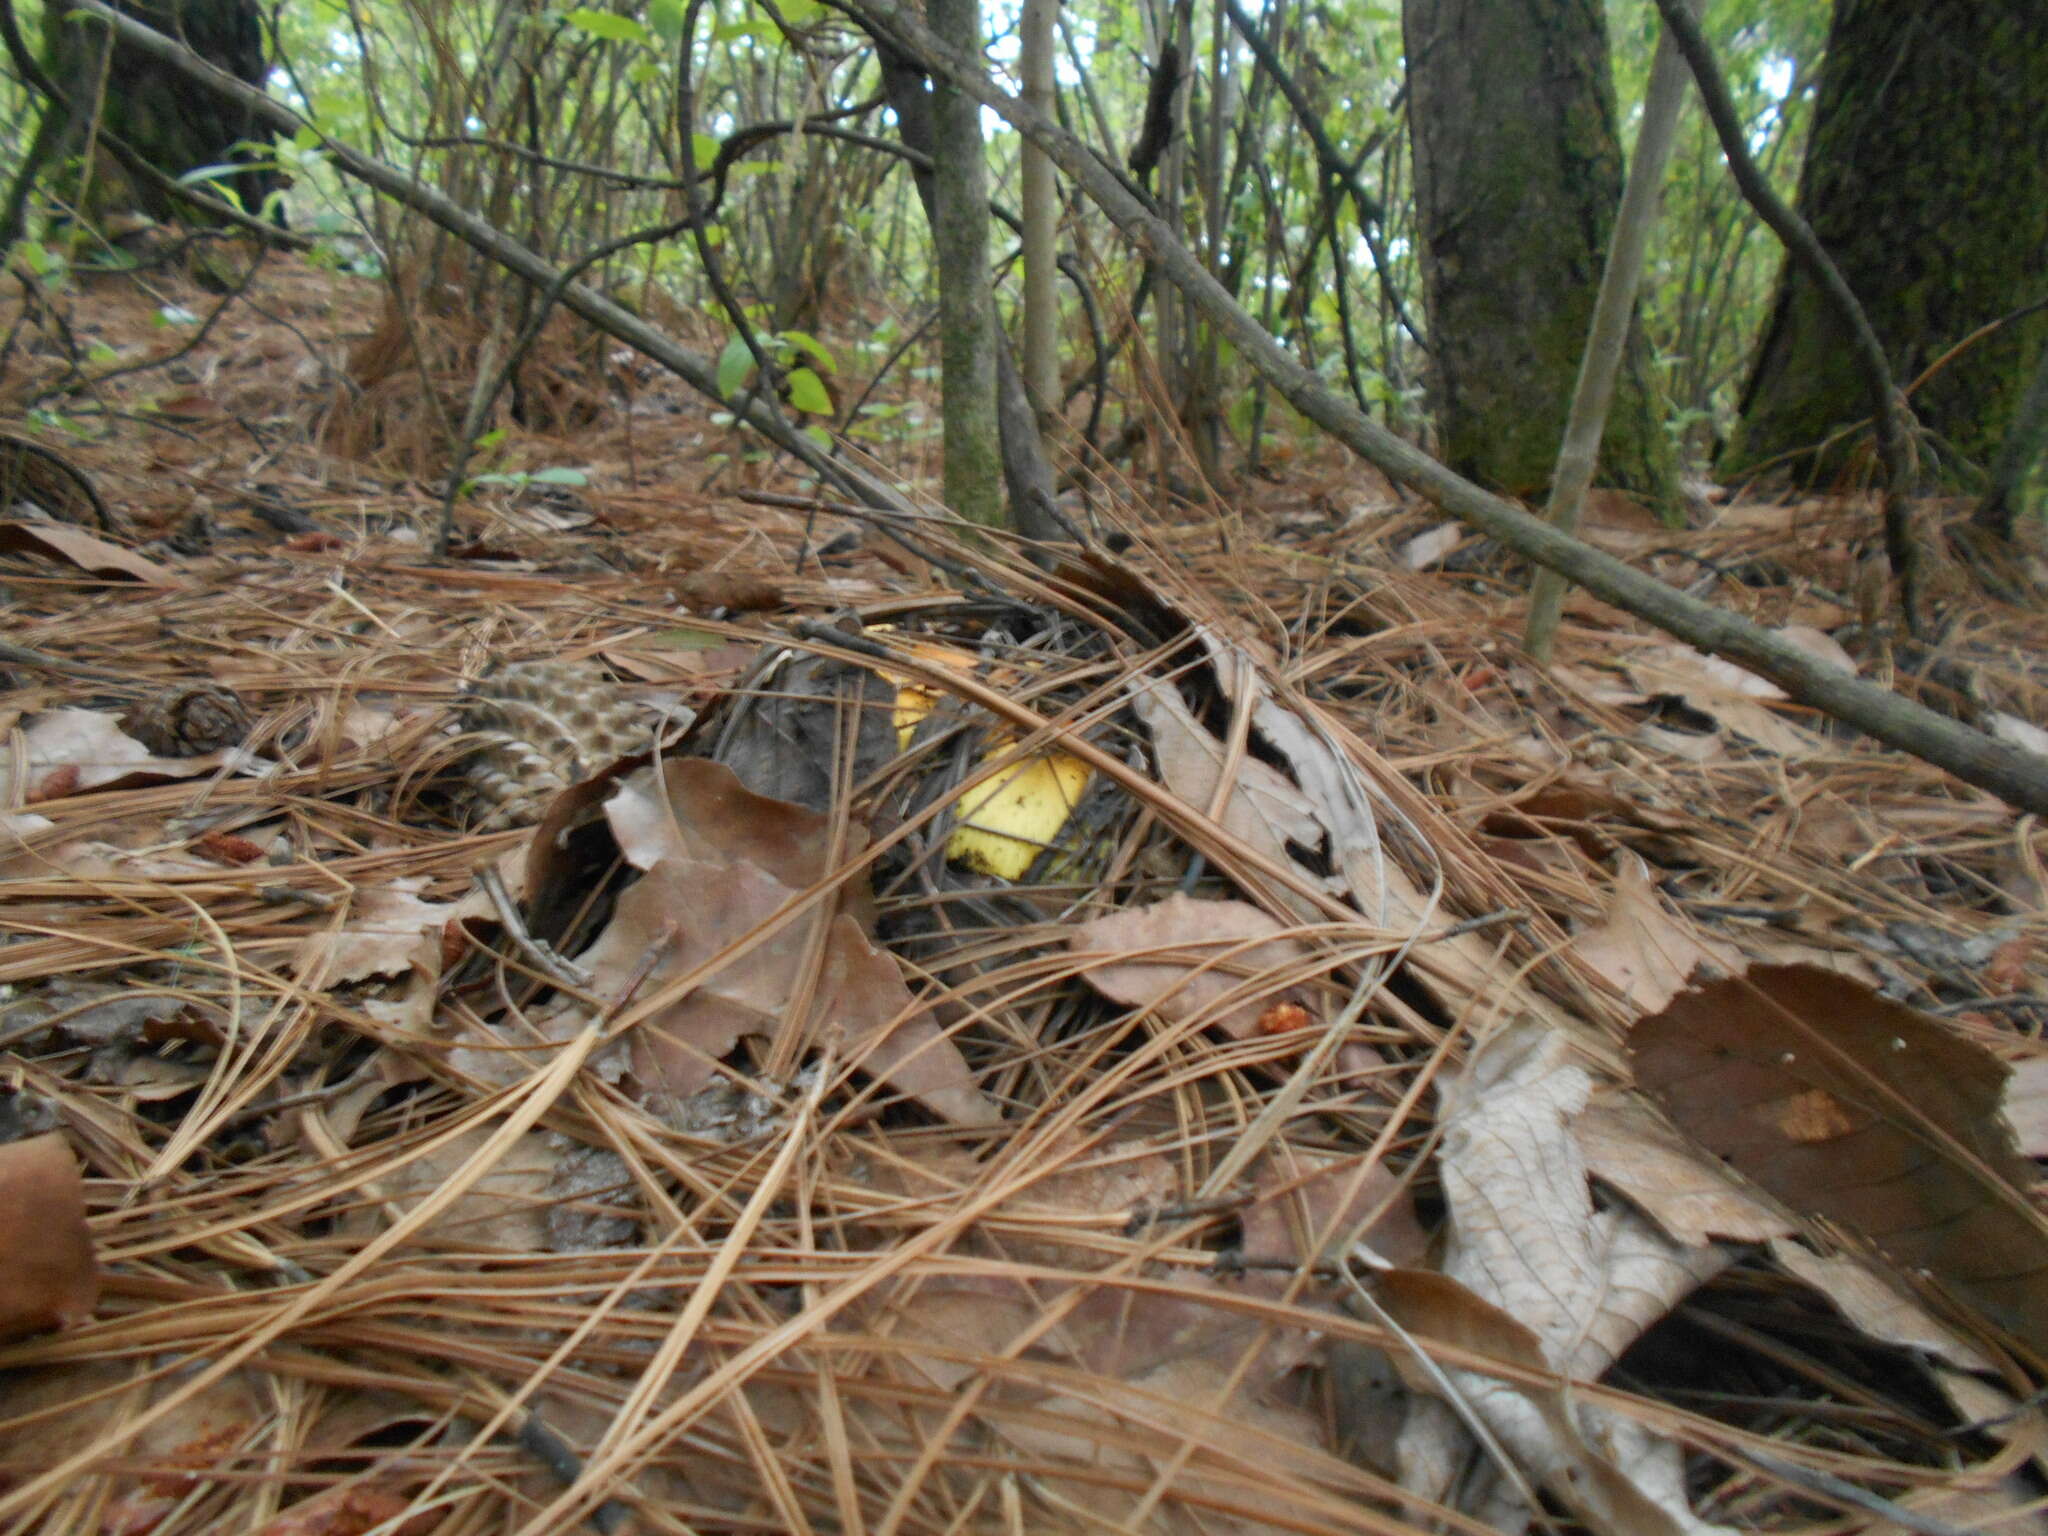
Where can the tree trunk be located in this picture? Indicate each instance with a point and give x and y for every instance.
(1027, 474)
(1039, 206)
(1926, 179)
(967, 356)
(174, 125)
(1517, 176)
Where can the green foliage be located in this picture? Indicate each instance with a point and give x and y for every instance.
(609, 26)
(824, 243)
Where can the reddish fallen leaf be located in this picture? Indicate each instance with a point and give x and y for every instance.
(141, 1507)
(226, 848)
(1860, 1110)
(198, 1024)
(58, 783)
(48, 1277)
(316, 543)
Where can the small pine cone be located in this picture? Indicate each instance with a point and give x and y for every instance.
(189, 721)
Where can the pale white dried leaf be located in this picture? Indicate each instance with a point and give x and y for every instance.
(2026, 1104)
(1524, 1237)
(2017, 732)
(1262, 807)
(1427, 548)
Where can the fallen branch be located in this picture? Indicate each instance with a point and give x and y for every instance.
(2016, 776)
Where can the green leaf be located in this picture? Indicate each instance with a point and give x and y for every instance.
(807, 392)
(666, 17)
(704, 148)
(201, 174)
(605, 24)
(800, 13)
(38, 258)
(734, 364)
(804, 341)
(560, 474)
(490, 439)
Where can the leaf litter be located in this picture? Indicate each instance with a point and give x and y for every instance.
(1245, 1140)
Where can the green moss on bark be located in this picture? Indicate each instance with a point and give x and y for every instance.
(1518, 174)
(1926, 180)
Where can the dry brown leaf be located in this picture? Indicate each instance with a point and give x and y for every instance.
(1348, 1201)
(1846, 1105)
(93, 555)
(721, 863)
(48, 1276)
(1524, 1233)
(1186, 956)
(1722, 691)
(382, 933)
(1628, 1146)
(1876, 1304)
(1261, 807)
(1644, 949)
(503, 1212)
(1535, 1424)
(2012, 1508)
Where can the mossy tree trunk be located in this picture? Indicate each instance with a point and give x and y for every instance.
(967, 343)
(1518, 172)
(173, 124)
(1926, 179)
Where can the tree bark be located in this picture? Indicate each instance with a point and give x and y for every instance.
(2015, 774)
(1039, 205)
(967, 354)
(1517, 176)
(173, 125)
(1926, 179)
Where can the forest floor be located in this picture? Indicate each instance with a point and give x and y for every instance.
(1273, 1134)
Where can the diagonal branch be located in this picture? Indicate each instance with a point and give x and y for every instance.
(509, 253)
(1887, 405)
(2017, 776)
